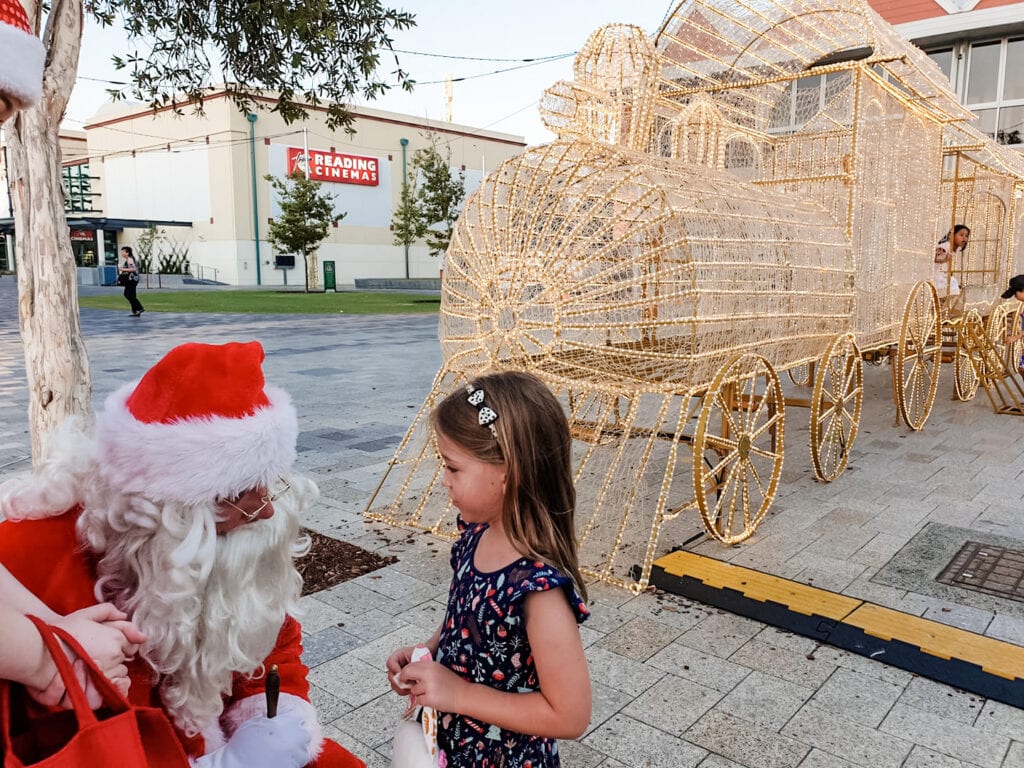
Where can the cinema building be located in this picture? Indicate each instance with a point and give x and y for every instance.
(201, 180)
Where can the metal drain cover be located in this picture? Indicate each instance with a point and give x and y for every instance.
(986, 568)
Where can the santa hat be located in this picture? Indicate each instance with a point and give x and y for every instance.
(21, 56)
(198, 426)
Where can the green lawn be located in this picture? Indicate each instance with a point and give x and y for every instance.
(273, 302)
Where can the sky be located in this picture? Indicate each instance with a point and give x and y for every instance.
(505, 102)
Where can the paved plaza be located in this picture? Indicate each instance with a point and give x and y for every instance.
(676, 683)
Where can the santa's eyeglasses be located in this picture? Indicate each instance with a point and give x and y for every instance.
(272, 495)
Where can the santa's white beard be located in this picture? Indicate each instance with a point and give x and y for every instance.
(210, 606)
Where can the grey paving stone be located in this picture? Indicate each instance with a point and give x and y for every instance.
(818, 759)
(1014, 756)
(765, 700)
(327, 644)
(863, 699)
(1001, 718)
(573, 754)
(672, 704)
(639, 638)
(638, 745)
(373, 723)
(620, 673)
(351, 680)
(368, 755)
(844, 738)
(702, 668)
(605, 702)
(964, 742)
(745, 743)
(353, 599)
(316, 615)
(942, 700)
(784, 663)
(922, 757)
(720, 634)
(717, 761)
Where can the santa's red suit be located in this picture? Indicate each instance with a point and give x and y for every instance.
(46, 556)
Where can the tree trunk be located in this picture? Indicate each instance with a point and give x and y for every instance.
(56, 362)
(312, 272)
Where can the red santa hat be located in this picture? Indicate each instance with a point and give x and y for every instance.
(199, 425)
(21, 56)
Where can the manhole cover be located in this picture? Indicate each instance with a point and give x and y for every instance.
(987, 568)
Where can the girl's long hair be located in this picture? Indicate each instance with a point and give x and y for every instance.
(534, 445)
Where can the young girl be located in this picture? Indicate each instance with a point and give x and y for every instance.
(510, 676)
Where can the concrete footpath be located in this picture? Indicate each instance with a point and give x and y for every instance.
(676, 683)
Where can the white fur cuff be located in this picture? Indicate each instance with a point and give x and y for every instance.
(256, 706)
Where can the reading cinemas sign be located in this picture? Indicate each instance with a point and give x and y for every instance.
(334, 166)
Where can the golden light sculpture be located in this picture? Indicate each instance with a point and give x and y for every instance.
(756, 189)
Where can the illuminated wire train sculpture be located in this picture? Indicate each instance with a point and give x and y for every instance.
(754, 190)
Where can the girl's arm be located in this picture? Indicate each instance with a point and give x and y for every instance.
(15, 596)
(559, 710)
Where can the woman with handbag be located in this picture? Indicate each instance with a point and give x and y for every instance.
(128, 276)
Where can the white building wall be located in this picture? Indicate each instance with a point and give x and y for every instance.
(159, 185)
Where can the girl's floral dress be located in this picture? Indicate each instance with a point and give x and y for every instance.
(483, 640)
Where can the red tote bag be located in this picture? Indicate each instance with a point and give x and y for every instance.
(118, 735)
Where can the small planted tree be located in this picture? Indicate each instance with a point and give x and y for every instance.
(431, 199)
(305, 220)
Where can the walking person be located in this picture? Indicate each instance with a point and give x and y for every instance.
(128, 276)
(510, 676)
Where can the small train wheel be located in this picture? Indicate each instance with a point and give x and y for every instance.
(1004, 320)
(918, 356)
(835, 407)
(740, 433)
(967, 365)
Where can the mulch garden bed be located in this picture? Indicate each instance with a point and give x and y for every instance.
(332, 561)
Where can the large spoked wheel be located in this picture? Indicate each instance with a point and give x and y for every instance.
(1004, 321)
(835, 407)
(917, 357)
(966, 368)
(738, 448)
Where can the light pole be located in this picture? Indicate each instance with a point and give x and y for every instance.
(405, 180)
(255, 199)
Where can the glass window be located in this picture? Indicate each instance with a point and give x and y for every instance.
(945, 61)
(1013, 85)
(1011, 125)
(983, 73)
(986, 122)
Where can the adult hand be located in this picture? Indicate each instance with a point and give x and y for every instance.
(110, 640)
(280, 742)
(433, 685)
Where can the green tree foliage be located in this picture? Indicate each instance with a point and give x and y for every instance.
(314, 51)
(305, 220)
(432, 197)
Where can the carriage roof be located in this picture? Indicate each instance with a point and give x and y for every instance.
(765, 44)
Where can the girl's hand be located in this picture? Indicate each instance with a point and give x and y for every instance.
(110, 640)
(433, 685)
(396, 662)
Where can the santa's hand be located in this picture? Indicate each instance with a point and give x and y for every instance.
(280, 742)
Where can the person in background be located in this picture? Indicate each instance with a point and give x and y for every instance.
(510, 676)
(953, 244)
(183, 511)
(101, 629)
(1016, 291)
(128, 276)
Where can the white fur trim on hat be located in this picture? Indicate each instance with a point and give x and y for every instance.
(195, 460)
(21, 65)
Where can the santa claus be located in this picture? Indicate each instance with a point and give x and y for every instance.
(183, 511)
(21, 60)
